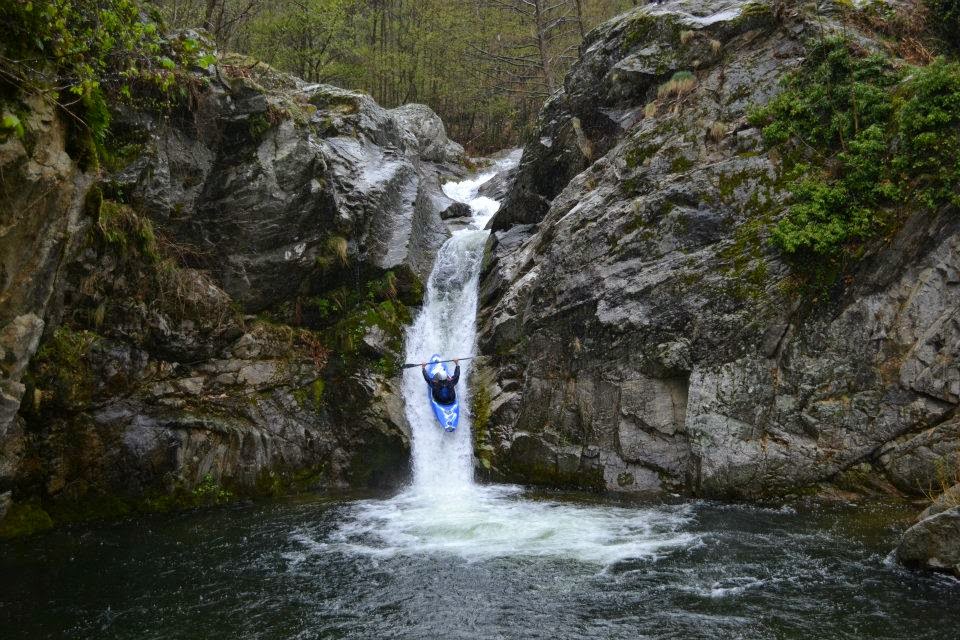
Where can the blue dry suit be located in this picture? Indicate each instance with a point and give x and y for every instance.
(444, 391)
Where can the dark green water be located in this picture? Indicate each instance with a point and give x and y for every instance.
(316, 569)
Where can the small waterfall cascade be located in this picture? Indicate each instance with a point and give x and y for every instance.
(443, 510)
(446, 325)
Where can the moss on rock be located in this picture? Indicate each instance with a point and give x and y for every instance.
(25, 519)
(60, 375)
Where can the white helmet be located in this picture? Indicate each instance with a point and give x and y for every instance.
(441, 373)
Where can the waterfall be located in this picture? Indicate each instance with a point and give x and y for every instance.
(442, 462)
(443, 510)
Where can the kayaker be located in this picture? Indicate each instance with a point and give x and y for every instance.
(443, 387)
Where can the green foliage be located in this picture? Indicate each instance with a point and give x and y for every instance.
(10, 124)
(312, 394)
(344, 314)
(862, 142)
(259, 125)
(638, 154)
(85, 54)
(25, 519)
(639, 31)
(124, 230)
(428, 51)
(929, 130)
(756, 14)
(209, 492)
(80, 40)
(60, 374)
(945, 16)
(681, 164)
(281, 36)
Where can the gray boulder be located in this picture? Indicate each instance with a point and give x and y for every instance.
(129, 327)
(426, 134)
(499, 186)
(933, 543)
(277, 168)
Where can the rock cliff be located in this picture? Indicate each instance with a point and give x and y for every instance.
(643, 334)
(219, 312)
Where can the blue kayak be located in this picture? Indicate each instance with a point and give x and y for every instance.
(448, 415)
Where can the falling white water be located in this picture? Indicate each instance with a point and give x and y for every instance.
(442, 462)
(482, 208)
(446, 326)
(443, 510)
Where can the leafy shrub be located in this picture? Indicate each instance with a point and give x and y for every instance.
(929, 126)
(862, 143)
(124, 230)
(60, 374)
(83, 54)
(209, 493)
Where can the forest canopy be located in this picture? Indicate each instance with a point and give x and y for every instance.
(484, 65)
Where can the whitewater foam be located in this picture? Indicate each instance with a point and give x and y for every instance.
(486, 522)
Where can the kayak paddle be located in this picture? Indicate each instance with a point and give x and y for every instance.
(420, 364)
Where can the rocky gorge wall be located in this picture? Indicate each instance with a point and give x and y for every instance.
(220, 311)
(642, 333)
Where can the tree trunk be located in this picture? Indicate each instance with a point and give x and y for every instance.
(541, 34)
(208, 15)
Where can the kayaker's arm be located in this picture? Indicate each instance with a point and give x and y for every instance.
(456, 375)
(423, 369)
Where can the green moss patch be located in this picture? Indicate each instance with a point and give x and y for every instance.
(25, 519)
(637, 155)
(343, 314)
(96, 53)
(680, 164)
(60, 376)
(480, 407)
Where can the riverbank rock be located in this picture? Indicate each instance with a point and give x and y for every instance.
(497, 187)
(642, 329)
(933, 543)
(221, 314)
(41, 198)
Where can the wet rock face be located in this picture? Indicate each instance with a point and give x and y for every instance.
(41, 197)
(933, 543)
(257, 181)
(252, 416)
(545, 168)
(642, 330)
(127, 311)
